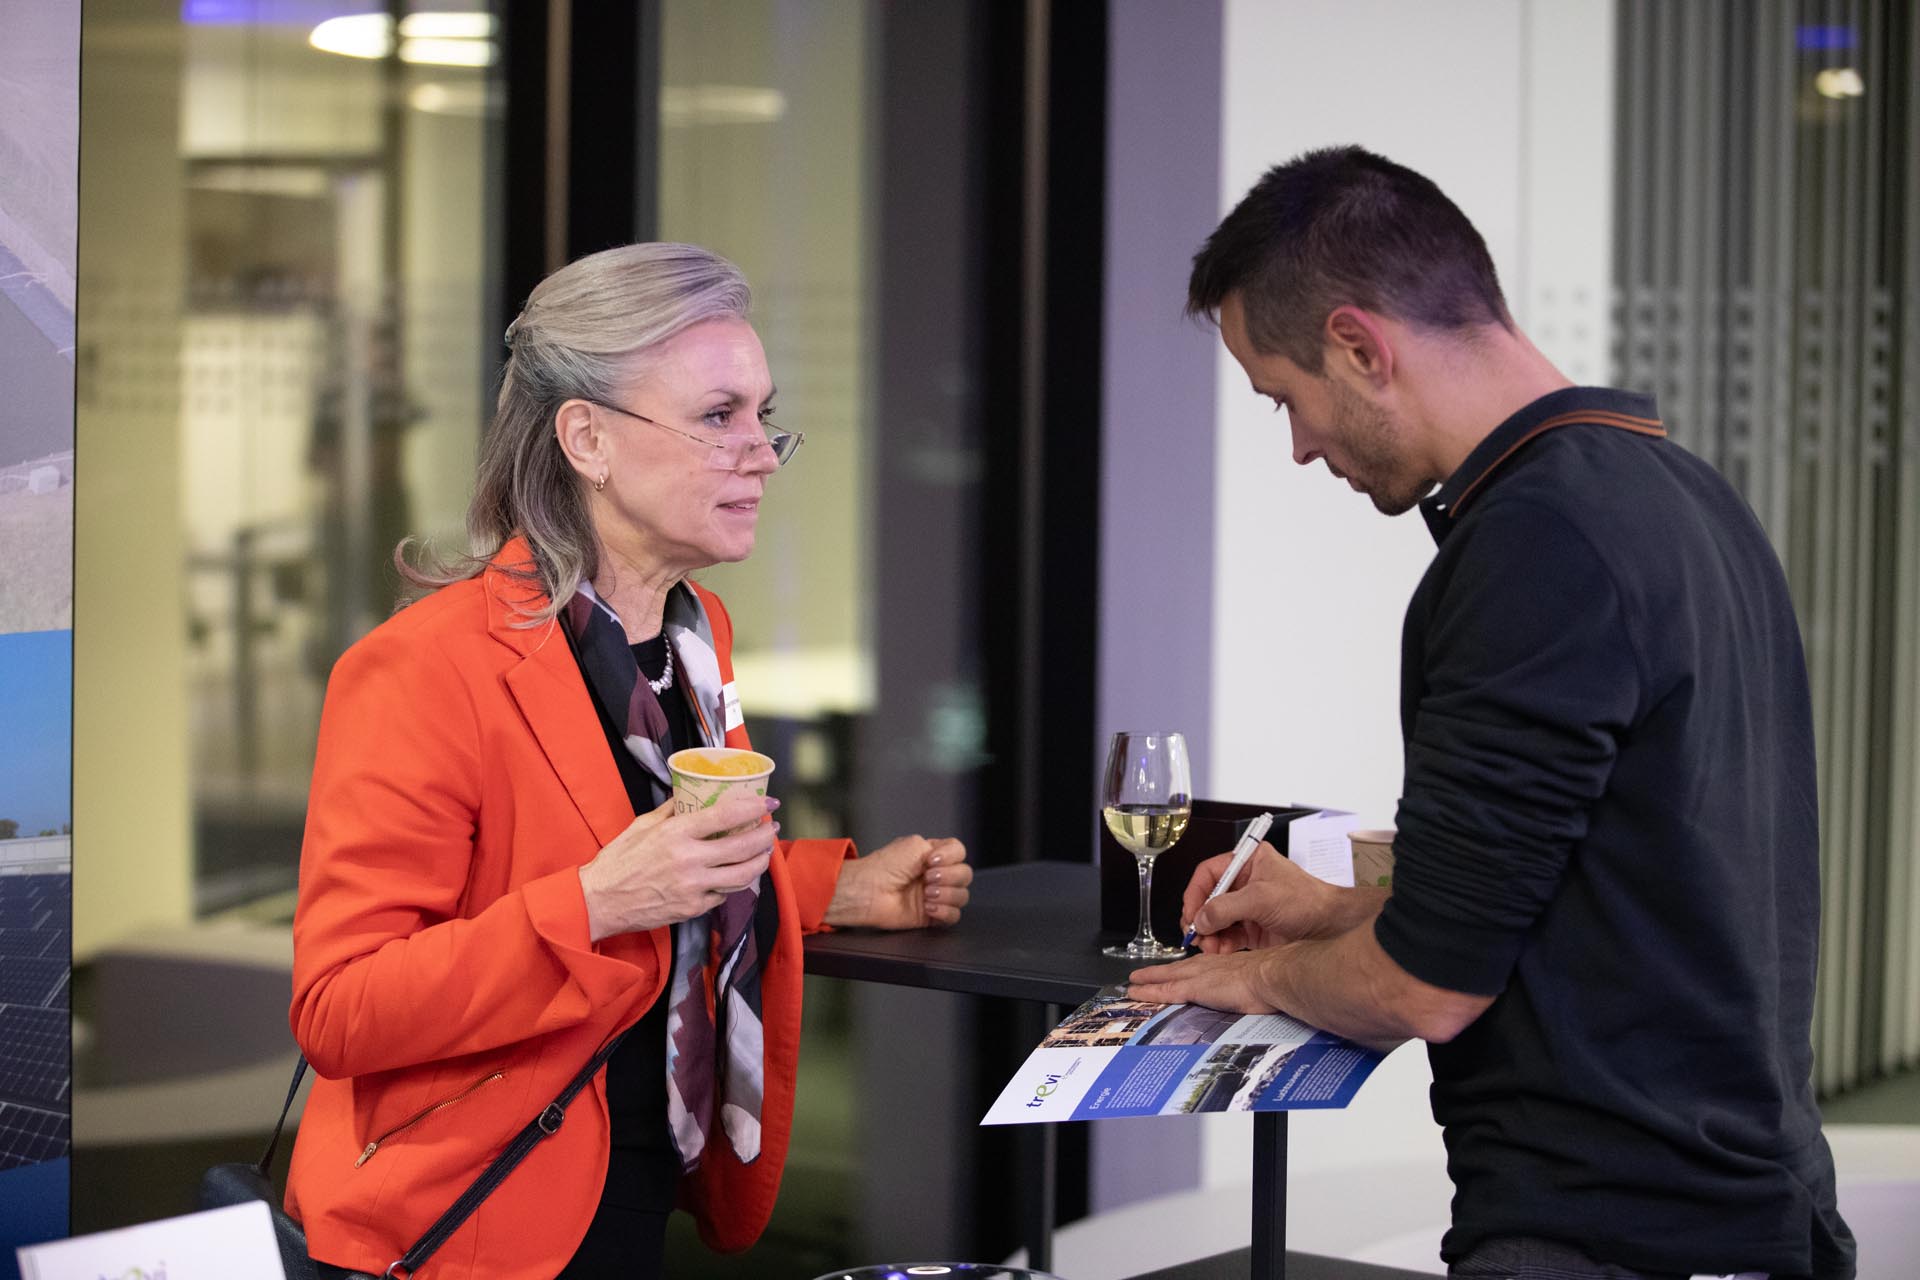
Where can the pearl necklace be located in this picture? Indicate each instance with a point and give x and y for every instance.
(665, 682)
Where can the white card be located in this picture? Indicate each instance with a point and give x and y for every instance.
(1318, 844)
(730, 701)
(216, 1245)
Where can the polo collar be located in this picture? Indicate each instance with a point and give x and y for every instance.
(1597, 406)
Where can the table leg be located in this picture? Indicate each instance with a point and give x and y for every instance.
(1040, 1208)
(1269, 1195)
(1044, 1152)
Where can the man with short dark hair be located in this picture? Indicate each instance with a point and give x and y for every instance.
(1605, 906)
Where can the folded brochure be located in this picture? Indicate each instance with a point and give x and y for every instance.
(1116, 1057)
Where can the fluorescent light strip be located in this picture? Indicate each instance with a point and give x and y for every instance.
(433, 39)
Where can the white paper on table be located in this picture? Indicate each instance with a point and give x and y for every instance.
(1317, 843)
(215, 1245)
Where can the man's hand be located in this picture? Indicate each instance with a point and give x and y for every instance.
(905, 884)
(1275, 902)
(1237, 982)
(1345, 984)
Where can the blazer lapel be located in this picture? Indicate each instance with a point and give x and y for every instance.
(551, 693)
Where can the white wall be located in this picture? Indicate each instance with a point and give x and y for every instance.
(1507, 104)
(1156, 447)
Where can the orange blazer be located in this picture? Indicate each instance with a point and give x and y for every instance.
(444, 986)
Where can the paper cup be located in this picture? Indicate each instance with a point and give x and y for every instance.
(702, 775)
(1372, 857)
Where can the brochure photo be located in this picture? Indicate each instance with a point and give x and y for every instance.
(1116, 1057)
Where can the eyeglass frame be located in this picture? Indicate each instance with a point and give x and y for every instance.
(771, 436)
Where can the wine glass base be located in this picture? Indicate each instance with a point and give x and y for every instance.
(1138, 950)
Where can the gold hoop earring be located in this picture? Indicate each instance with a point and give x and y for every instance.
(600, 482)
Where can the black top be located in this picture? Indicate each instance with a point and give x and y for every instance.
(1609, 820)
(1033, 933)
(644, 1169)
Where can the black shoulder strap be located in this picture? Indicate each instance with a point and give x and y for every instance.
(541, 1127)
(266, 1161)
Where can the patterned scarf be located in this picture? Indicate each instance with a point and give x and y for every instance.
(714, 999)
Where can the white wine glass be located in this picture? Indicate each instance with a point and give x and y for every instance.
(1146, 798)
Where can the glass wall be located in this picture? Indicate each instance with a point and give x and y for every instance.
(861, 163)
(762, 157)
(286, 339)
(331, 380)
(283, 337)
(764, 154)
(1768, 214)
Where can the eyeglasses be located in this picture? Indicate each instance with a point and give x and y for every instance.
(729, 453)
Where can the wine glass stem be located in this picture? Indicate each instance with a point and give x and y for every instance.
(1145, 932)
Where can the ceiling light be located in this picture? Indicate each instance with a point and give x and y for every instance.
(357, 35)
(720, 104)
(447, 26)
(1839, 82)
(436, 39)
(299, 181)
(448, 53)
(463, 97)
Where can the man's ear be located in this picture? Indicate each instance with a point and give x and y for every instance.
(575, 427)
(1358, 342)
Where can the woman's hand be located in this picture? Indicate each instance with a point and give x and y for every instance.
(903, 885)
(1275, 902)
(663, 868)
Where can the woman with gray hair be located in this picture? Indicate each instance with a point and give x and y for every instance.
(493, 885)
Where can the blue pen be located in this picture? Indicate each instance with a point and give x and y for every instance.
(1256, 832)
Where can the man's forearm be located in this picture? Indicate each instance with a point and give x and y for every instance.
(1348, 909)
(1347, 985)
(1331, 972)
(1322, 981)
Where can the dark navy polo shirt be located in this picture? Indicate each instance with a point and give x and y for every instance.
(1609, 823)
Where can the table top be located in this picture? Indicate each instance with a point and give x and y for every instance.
(1030, 932)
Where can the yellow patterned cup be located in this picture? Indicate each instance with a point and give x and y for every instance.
(702, 775)
(1372, 857)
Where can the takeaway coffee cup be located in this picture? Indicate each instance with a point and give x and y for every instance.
(1372, 857)
(703, 775)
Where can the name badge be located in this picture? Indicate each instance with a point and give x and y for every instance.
(730, 704)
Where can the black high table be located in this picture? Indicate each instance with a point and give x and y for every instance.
(1031, 932)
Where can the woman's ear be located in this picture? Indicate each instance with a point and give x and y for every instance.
(577, 429)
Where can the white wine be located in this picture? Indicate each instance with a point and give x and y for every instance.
(1147, 830)
(1146, 799)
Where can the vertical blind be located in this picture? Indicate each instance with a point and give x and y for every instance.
(1767, 267)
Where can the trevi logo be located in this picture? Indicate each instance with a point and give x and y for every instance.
(1045, 1088)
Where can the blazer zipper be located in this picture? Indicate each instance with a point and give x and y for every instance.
(418, 1116)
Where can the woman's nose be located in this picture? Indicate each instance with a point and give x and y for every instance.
(760, 458)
